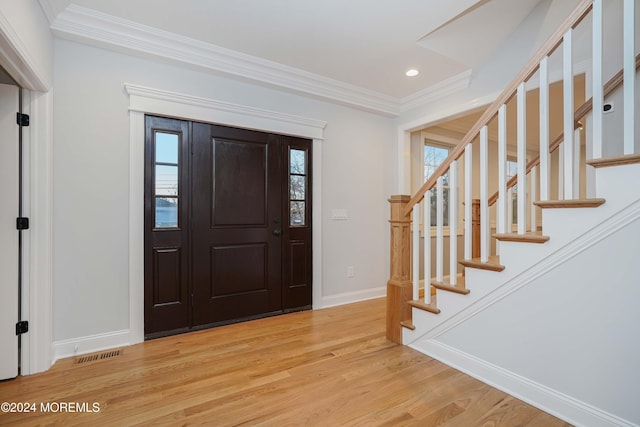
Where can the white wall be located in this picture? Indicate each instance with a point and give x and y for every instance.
(24, 26)
(573, 329)
(91, 166)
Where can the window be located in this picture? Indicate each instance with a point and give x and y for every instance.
(434, 155)
(166, 180)
(297, 186)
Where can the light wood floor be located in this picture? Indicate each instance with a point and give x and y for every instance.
(329, 367)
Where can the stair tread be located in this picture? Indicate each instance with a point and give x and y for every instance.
(445, 285)
(432, 308)
(573, 203)
(408, 324)
(604, 162)
(493, 264)
(531, 237)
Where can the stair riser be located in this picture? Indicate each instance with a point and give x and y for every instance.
(518, 256)
(613, 184)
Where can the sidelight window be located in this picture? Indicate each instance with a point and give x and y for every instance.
(298, 180)
(166, 169)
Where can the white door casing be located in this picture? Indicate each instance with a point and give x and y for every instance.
(9, 195)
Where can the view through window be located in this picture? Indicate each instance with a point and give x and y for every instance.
(434, 155)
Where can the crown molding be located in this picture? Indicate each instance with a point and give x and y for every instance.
(48, 9)
(437, 91)
(89, 26)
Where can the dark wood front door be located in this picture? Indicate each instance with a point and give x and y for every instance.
(237, 244)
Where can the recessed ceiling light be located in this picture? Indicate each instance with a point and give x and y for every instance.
(412, 72)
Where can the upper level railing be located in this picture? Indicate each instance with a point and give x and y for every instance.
(535, 172)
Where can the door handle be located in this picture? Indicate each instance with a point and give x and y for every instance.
(276, 232)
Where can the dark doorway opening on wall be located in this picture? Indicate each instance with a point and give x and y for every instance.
(227, 225)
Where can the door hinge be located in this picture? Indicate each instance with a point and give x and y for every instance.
(22, 327)
(22, 119)
(22, 223)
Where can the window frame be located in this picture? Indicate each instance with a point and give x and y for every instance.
(429, 142)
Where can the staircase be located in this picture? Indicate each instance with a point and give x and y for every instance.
(552, 290)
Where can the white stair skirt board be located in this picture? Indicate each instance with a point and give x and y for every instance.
(526, 264)
(551, 401)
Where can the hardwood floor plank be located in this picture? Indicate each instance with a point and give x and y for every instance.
(314, 368)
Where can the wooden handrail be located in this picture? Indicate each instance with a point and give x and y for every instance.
(579, 114)
(583, 8)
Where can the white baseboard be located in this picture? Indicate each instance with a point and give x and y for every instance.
(349, 297)
(549, 400)
(90, 344)
(99, 342)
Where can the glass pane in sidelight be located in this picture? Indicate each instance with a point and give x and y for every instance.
(166, 148)
(297, 161)
(166, 212)
(297, 187)
(166, 180)
(296, 213)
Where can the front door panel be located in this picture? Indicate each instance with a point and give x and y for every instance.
(237, 210)
(227, 223)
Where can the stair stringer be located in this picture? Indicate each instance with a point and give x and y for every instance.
(567, 229)
(580, 406)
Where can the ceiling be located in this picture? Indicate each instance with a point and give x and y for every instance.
(452, 131)
(361, 45)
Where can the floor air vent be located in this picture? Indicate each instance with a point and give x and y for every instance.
(97, 356)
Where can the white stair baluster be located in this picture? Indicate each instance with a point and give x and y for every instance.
(502, 170)
(427, 247)
(596, 79)
(439, 231)
(453, 222)
(510, 210)
(468, 159)
(522, 157)
(629, 73)
(544, 129)
(484, 194)
(561, 171)
(576, 162)
(534, 191)
(567, 55)
(501, 215)
(415, 251)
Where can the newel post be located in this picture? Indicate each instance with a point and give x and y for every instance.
(399, 286)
